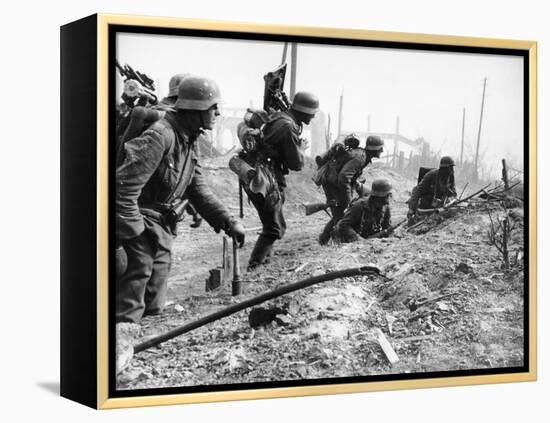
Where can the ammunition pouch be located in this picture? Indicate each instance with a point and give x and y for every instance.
(166, 214)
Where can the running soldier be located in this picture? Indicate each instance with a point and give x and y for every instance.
(345, 165)
(279, 150)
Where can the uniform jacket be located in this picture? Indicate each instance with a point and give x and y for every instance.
(281, 146)
(154, 163)
(431, 187)
(363, 219)
(346, 169)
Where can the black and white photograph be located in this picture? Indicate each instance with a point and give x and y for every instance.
(293, 211)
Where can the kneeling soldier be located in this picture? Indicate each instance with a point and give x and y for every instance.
(366, 216)
(435, 188)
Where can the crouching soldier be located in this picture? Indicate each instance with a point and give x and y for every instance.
(366, 216)
(343, 171)
(434, 189)
(160, 168)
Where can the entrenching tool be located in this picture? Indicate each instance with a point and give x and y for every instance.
(220, 274)
(236, 283)
(234, 308)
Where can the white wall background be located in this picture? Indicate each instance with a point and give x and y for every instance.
(29, 172)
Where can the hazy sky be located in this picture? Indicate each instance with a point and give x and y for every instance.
(428, 90)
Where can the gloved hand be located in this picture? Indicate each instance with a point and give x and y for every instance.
(437, 202)
(236, 230)
(410, 214)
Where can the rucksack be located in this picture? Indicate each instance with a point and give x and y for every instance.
(249, 131)
(139, 120)
(422, 172)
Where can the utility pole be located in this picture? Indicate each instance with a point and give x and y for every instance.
(283, 59)
(505, 175)
(368, 124)
(395, 143)
(340, 110)
(327, 135)
(462, 143)
(479, 130)
(294, 62)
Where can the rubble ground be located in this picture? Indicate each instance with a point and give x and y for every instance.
(444, 303)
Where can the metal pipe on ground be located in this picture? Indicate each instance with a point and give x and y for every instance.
(364, 270)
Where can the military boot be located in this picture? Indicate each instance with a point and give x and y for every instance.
(324, 238)
(126, 334)
(261, 252)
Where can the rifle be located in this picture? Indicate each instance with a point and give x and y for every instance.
(387, 231)
(317, 207)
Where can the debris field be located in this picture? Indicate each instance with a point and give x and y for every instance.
(443, 301)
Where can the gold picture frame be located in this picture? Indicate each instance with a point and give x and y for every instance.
(95, 29)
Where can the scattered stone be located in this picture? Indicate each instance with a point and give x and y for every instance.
(402, 271)
(261, 316)
(463, 268)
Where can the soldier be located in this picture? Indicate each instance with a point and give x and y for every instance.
(436, 186)
(344, 169)
(169, 101)
(279, 151)
(141, 117)
(367, 215)
(160, 167)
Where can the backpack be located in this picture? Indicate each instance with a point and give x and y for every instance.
(249, 131)
(139, 120)
(422, 172)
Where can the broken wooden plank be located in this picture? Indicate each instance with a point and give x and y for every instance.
(301, 267)
(386, 347)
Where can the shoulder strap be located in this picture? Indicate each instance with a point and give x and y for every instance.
(178, 137)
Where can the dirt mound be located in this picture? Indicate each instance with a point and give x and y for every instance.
(444, 303)
(402, 185)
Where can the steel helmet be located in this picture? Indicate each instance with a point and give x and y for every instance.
(446, 161)
(305, 102)
(197, 93)
(174, 83)
(374, 143)
(380, 188)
